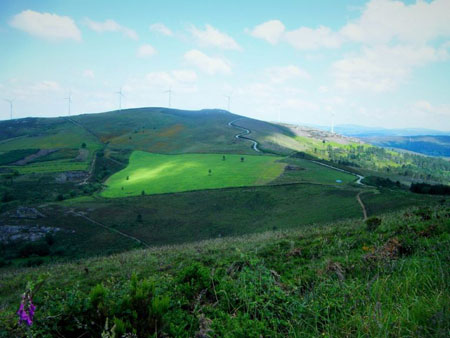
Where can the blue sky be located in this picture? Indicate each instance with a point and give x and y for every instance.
(375, 63)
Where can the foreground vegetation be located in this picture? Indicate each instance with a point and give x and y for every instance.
(388, 276)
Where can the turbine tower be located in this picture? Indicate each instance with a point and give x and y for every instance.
(170, 95)
(10, 107)
(332, 123)
(69, 100)
(229, 101)
(120, 98)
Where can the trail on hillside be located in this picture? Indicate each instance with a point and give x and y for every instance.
(358, 198)
(111, 229)
(94, 155)
(360, 177)
(245, 132)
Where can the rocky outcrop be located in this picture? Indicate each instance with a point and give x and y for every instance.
(24, 212)
(71, 176)
(16, 233)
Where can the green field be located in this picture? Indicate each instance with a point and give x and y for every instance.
(157, 173)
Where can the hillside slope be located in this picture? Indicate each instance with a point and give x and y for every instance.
(387, 278)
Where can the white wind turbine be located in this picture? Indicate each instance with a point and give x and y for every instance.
(229, 101)
(170, 95)
(10, 101)
(332, 122)
(120, 98)
(69, 100)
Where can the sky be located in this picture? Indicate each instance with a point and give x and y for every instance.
(380, 63)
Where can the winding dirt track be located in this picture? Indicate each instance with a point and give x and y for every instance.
(358, 197)
(245, 132)
(255, 148)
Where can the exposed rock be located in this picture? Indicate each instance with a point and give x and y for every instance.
(32, 157)
(25, 212)
(70, 176)
(292, 167)
(14, 233)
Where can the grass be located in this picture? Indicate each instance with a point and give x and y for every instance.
(157, 173)
(50, 167)
(334, 280)
(307, 171)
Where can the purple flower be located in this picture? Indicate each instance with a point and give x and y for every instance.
(26, 310)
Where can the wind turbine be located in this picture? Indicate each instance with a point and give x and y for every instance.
(332, 122)
(10, 101)
(120, 98)
(69, 100)
(229, 101)
(170, 95)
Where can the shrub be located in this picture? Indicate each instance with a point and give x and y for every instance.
(373, 223)
(38, 248)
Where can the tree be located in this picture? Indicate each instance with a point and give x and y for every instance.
(242, 159)
(139, 218)
(142, 192)
(128, 177)
(83, 145)
(223, 158)
(209, 172)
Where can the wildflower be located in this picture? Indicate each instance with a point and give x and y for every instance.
(26, 310)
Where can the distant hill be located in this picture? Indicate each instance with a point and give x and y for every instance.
(432, 145)
(363, 131)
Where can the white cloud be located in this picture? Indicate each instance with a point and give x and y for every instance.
(161, 28)
(186, 76)
(88, 73)
(383, 21)
(146, 51)
(155, 83)
(323, 89)
(300, 105)
(286, 73)
(210, 36)
(111, 26)
(383, 68)
(271, 31)
(46, 25)
(46, 86)
(207, 64)
(305, 38)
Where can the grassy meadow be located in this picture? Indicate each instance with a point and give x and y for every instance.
(158, 173)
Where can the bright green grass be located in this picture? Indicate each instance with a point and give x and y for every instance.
(50, 167)
(156, 173)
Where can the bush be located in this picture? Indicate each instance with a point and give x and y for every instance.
(193, 279)
(35, 261)
(373, 223)
(50, 239)
(38, 248)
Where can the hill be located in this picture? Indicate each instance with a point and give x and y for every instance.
(432, 145)
(77, 176)
(388, 276)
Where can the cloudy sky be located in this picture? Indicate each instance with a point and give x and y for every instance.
(375, 63)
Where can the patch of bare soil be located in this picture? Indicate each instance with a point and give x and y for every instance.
(82, 156)
(30, 158)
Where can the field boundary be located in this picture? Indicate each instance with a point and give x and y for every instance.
(111, 229)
